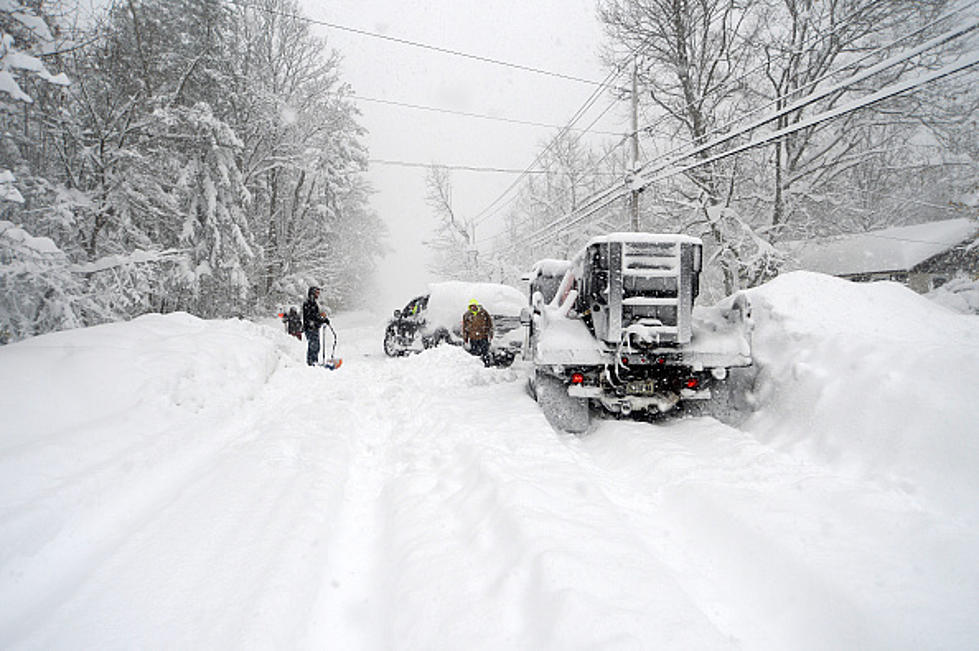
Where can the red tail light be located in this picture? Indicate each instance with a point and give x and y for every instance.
(661, 360)
(577, 378)
(692, 383)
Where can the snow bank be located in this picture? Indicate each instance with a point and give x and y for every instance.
(871, 378)
(104, 428)
(178, 483)
(154, 363)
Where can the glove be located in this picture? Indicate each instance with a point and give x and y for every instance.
(326, 320)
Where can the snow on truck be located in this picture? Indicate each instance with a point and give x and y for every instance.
(616, 327)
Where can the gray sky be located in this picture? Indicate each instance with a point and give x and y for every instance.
(562, 36)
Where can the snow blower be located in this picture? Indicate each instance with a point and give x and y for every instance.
(334, 362)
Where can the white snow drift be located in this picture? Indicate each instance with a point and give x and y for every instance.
(178, 483)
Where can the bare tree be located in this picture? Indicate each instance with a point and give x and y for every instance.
(709, 68)
(537, 221)
(452, 246)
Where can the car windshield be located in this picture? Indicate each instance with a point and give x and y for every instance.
(415, 305)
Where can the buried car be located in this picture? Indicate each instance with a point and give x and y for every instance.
(436, 318)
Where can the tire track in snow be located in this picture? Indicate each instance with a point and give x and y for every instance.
(352, 607)
(491, 521)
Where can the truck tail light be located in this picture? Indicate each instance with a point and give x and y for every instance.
(692, 383)
(577, 378)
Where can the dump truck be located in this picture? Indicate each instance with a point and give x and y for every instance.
(615, 328)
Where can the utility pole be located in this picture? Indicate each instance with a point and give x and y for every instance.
(635, 145)
(472, 253)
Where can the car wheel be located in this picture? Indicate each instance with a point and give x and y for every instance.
(441, 336)
(391, 347)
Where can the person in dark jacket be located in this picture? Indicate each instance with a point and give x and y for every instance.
(313, 318)
(294, 323)
(477, 331)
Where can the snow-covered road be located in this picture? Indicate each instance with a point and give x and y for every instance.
(190, 484)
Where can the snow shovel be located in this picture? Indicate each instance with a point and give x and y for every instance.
(334, 362)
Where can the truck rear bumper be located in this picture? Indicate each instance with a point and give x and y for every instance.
(662, 401)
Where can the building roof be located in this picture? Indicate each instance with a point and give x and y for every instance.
(892, 249)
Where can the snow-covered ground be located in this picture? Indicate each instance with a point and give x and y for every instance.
(177, 483)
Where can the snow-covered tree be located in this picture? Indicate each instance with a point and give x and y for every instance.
(568, 173)
(206, 158)
(198, 151)
(710, 68)
(39, 290)
(302, 156)
(25, 41)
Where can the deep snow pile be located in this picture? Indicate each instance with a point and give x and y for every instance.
(870, 378)
(178, 483)
(151, 365)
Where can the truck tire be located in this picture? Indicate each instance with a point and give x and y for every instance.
(561, 410)
(729, 402)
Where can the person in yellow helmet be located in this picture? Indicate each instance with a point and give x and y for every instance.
(477, 331)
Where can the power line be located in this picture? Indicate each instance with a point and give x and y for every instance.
(513, 198)
(649, 126)
(464, 168)
(588, 103)
(595, 165)
(596, 202)
(591, 167)
(645, 172)
(574, 118)
(619, 191)
(419, 44)
(926, 46)
(436, 109)
(615, 72)
(812, 98)
(616, 191)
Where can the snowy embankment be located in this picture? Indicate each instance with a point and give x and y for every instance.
(870, 379)
(176, 483)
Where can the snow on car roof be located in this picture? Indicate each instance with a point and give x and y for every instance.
(448, 300)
